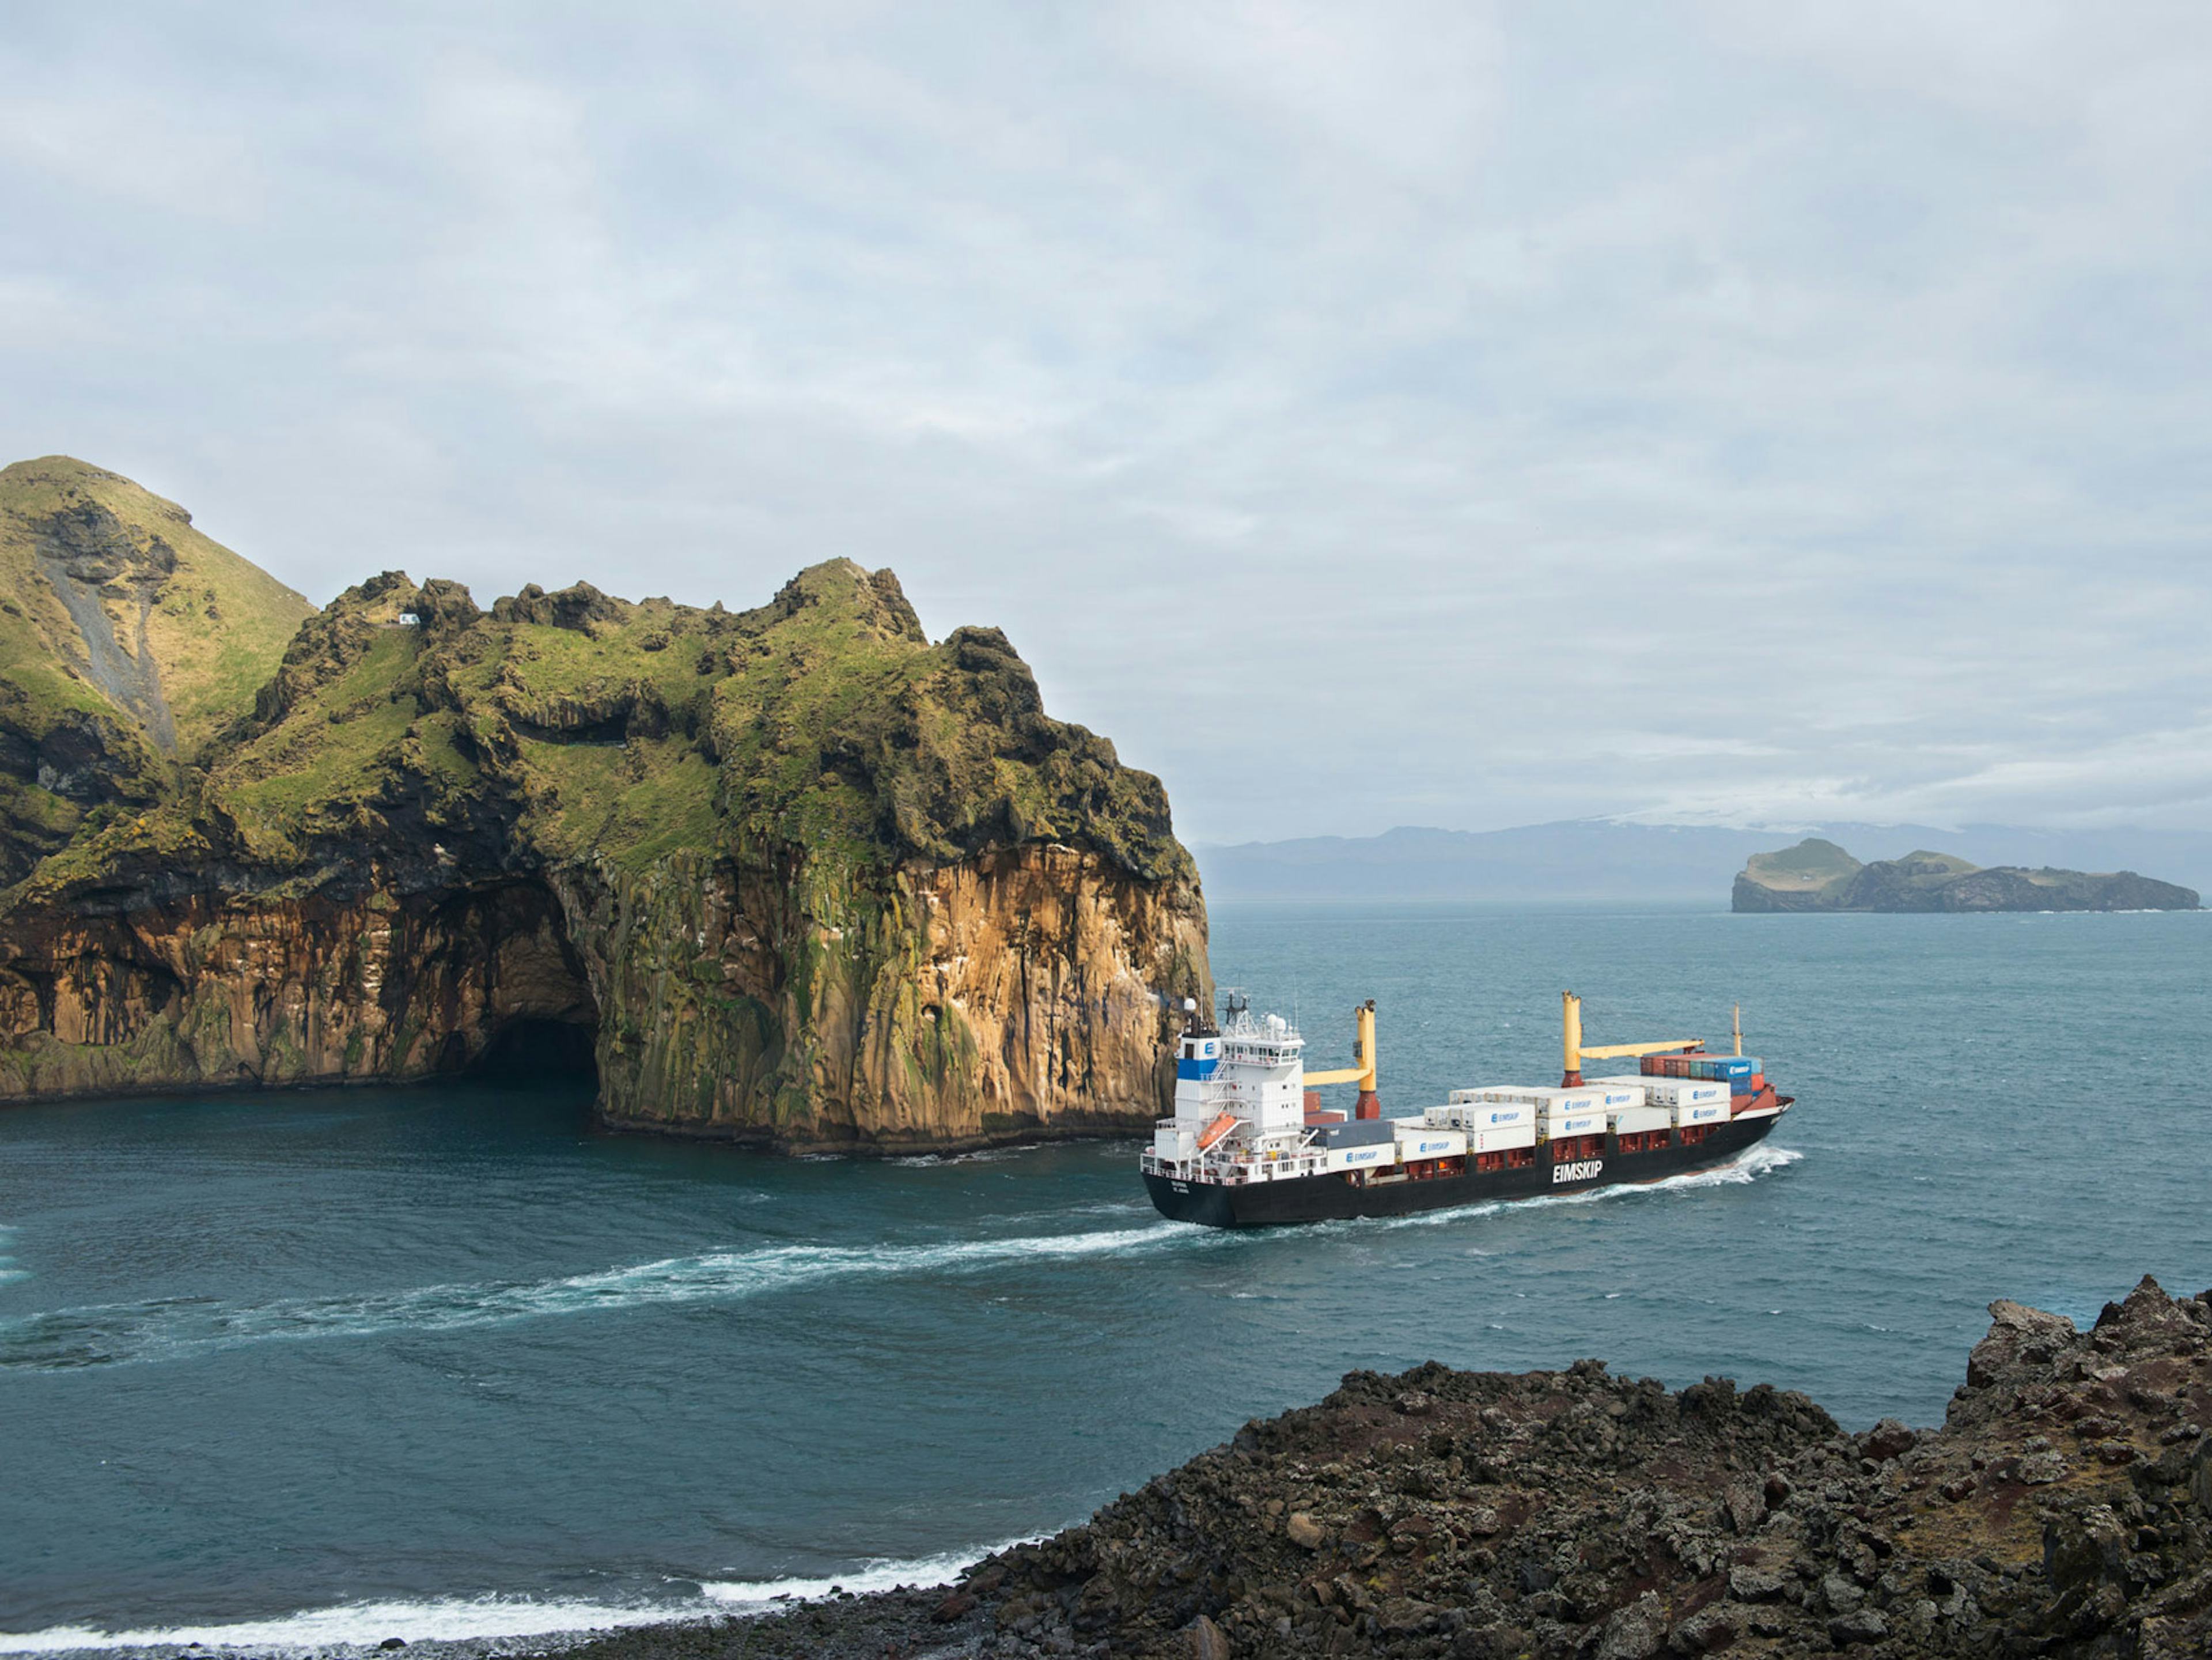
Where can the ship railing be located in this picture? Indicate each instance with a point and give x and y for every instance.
(1243, 1171)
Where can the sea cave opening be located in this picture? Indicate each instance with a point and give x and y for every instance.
(530, 1048)
(506, 981)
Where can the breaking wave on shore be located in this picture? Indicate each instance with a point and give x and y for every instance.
(347, 1629)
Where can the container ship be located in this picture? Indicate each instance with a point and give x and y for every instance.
(1251, 1144)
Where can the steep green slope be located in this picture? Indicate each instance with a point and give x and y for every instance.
(127, 639)
(573, 726)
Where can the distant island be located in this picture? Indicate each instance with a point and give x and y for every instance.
(1818, 875)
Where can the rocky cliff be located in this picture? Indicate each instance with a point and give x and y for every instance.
(795, 875)
(1818, 875)
(2064, 1509)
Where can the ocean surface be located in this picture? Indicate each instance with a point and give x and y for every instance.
(309, 1369)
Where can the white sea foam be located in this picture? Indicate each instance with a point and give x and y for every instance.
(351, 1628)
(1748, 1166)
(112, 1332)
(975, 1156)
(881, 1574)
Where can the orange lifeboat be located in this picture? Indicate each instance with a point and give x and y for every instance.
(1214, 1131)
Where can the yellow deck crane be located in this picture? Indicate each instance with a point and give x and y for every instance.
(1369, 1105)
(1570, 1009)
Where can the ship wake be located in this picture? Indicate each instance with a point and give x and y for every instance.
(174, 1329)
(1748, 1166)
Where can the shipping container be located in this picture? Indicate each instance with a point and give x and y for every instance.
(1356, 1133)
(1672, 1091)
(1638, 1121)
(1727, 1069)
(1416, 1140)
(1564, 1126)
(1482, 1115)
(1502, 1140)
(1175, 1146)
(1502, 1115)
(1587, 1099)
(1378, 1155)
(1688, 1114)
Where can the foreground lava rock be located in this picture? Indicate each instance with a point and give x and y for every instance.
(2064, 1509)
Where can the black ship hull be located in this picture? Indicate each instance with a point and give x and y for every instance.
(1339, 1197)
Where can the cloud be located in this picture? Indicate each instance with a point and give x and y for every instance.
(1467, 413)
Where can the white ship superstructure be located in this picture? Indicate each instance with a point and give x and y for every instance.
(1240, 1112)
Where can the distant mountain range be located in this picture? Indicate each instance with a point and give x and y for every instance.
(1594, 859)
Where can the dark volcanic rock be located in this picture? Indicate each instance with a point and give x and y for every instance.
(1576, 1516)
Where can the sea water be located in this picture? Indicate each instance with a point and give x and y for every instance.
(307, 1369)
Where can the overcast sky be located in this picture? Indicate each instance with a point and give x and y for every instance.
(1364, 415)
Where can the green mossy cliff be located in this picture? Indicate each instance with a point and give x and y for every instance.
(798, 874)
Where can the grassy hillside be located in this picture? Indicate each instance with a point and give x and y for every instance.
(1809, 868)
(211, 625)
(128, 640)
(406, 727)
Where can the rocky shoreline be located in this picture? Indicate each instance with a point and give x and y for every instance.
(2064, 1508)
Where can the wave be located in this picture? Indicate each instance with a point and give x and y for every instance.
(1746, 1167)
(974, 1156)
(878, 1573)
(9, 1272)
(352, 1628)
(171, 1329)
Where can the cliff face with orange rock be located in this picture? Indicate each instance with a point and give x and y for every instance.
(795, 875)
